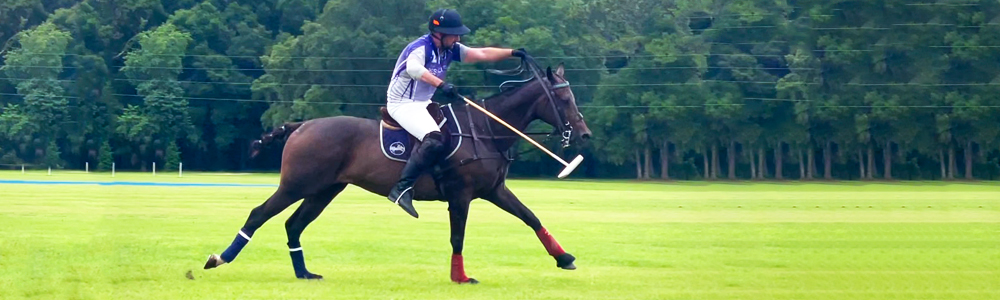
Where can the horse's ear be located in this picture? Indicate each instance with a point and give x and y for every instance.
(560, 70)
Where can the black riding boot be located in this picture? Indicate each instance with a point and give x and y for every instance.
(423, 160)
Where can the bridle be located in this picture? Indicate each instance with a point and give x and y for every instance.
(564, 128)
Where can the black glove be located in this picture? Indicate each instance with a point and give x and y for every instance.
(518, 53)
(448, 89)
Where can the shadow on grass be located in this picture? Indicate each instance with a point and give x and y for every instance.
(775, 182)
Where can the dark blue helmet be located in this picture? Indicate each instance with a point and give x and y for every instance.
(447, 21)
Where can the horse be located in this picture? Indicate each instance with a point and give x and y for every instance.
(322, 156)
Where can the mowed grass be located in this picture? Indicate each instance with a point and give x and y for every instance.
(632, 240)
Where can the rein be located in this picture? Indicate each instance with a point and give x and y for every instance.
(564, 127)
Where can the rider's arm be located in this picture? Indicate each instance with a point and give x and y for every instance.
(430, 78)
(472, 55)
(415, 68)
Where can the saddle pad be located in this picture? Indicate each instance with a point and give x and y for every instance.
(398, 145)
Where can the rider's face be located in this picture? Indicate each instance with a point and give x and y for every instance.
(447, 40)
(450, 40)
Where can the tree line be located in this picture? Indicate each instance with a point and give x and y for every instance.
(699, 89)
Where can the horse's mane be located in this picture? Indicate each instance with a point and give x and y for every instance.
(509, 92)
(526, 64)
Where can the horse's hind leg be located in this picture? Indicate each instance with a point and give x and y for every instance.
(280, 200)
(307, 212)
(507, 201)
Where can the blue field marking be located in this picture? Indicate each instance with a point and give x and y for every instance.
(134, 183)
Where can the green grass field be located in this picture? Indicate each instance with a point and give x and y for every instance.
(632, 240)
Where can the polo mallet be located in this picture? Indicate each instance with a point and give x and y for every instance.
(570, 166)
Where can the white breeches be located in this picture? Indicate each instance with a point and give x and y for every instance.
(413, 117)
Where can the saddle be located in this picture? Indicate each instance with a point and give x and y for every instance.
(398, 145)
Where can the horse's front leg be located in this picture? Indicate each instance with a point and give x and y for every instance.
(458, 209)
(507, 201)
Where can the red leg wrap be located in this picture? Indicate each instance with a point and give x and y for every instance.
(458, 269)
(550, 242)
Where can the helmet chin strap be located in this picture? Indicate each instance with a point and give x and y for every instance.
(440, 39)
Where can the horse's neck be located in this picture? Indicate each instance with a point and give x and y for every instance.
(516, 110)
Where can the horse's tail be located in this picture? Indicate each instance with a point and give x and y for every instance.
(266, 139)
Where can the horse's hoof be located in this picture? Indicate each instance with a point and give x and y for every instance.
(565, 261)
(213, 261)
(310, 276)
(470, 281)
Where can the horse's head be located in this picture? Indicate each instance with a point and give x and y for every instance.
(557, 106)
(546, 96)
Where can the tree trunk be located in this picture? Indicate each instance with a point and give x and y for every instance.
(761, 164)
(871, 161)
(779, 155)
(731, 156)
(827, 160)
(705, 161)
(648, 163)
(951, 162)
(887, 160)
(753, 165)
(861, 164)
(802, 166)
(715, 161)
(638, 164)
(941, 159)
(665, 161)
(810, 162)
(968, 160)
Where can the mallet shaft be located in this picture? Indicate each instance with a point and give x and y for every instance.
(515, 130)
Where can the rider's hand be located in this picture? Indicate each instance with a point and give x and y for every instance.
(448, 89)
(518, 53)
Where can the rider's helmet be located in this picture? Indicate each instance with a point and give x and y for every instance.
(447, 21)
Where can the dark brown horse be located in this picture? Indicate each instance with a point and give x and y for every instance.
(322, 156)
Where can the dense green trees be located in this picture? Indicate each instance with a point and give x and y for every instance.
(744, 89)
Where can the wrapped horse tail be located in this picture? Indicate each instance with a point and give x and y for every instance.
(266, 139)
